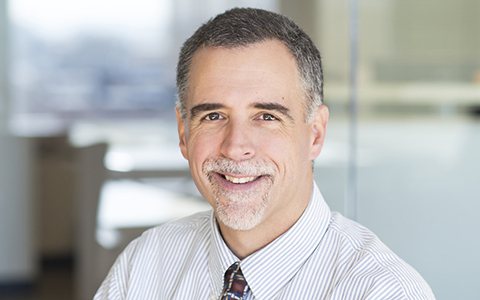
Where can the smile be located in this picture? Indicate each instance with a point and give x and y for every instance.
(239, 179)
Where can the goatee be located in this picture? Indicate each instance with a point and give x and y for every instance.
(240, 210)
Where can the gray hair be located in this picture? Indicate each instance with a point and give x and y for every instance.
(240, 27)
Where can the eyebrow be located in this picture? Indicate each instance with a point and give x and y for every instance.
(197, 109)
(194, 111)
(275, 107)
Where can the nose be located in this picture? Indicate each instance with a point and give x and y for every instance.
(237, 141)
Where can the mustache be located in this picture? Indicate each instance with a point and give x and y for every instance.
(244, 167)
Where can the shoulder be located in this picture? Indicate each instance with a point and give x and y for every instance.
(354, 236)
(168, 236)
(158, 253)
(369, 263)
(185, 226)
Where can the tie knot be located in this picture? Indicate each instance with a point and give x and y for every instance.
(235, 284)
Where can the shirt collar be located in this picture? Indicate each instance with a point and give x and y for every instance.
(220, 257)
(287, 254)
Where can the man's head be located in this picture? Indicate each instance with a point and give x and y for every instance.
(241, 27)
(242, 121)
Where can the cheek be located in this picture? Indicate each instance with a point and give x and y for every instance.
(282, 149)
(287, 151)
(200, 147)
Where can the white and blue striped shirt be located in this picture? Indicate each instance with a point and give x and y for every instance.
(323, 256)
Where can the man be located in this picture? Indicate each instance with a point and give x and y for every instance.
(250, 122)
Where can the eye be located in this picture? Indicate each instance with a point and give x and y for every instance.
(268, 117)
(213, 116)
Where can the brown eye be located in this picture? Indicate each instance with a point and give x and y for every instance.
(212, 116)
(268, 117)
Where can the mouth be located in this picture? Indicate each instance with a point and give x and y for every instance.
(239, 180)
(243, 176)
(236, 183)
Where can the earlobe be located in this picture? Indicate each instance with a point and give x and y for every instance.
(319, 127)
(181, 133)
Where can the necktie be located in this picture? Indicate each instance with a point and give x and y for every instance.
(235, 285)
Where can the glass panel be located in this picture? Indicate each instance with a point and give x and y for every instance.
(332, 39)
(419, 136)
(419, 131)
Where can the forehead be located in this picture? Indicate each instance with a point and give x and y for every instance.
(266, 68)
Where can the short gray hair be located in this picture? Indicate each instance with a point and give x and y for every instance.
(240, 27)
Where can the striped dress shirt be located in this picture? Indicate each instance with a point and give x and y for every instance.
(322, 256)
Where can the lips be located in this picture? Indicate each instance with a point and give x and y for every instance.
(236, 183)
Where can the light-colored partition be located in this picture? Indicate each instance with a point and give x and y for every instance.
(91, 176)
(17, 256)
(18, 261)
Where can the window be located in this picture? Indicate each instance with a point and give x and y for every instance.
(98, 59)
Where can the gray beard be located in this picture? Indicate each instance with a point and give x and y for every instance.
(240, 211)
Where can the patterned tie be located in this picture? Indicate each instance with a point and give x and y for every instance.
(235, 285)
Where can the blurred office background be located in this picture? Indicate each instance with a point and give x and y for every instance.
(88, 146)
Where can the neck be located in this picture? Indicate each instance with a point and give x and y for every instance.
(245, 242)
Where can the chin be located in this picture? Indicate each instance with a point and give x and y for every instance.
(241, 215)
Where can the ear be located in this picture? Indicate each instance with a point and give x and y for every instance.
(319, 127)
(181, 133)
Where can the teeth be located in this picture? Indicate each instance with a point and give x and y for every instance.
(239, 180)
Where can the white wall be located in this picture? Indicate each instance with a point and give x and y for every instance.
(17, 257)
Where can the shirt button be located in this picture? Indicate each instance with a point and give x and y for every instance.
(213, 297)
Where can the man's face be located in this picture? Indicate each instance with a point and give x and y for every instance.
(245, 136)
